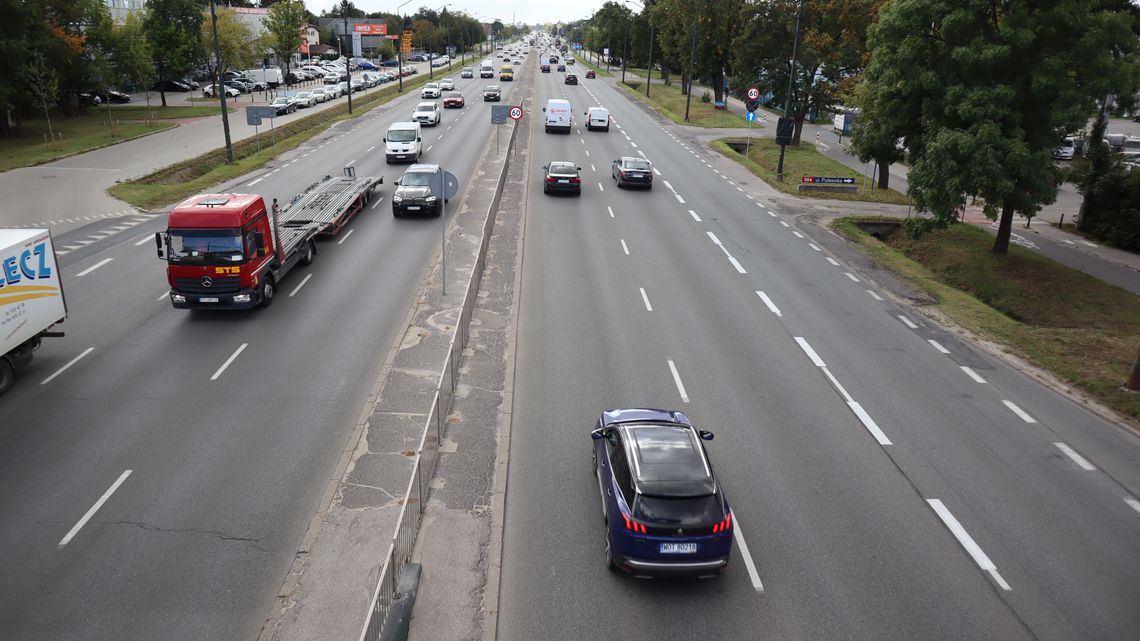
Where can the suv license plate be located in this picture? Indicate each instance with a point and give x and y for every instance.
(678, 548)
(413, 208)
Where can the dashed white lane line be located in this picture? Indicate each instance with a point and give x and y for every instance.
(95, 266)
(592, 167)
(624, 247)
(656, 171)
(583, 140)
(814, 246)
(797, 234)
(645, 299)
(1133, 503)
(967, 541)
(165, 296)
(679, 199)
(853, 277)
(144, 240)
(753, 575)
(833, 261)
(1020, 412)
(94, 508)
(66, 366)
(1077, 458)
(350, 163)
(229, 360)
(251, 184)
(677, 380)
(429, 147)
(908, 322)
(815, 359)
(972, 374)
(587, 153)
(669, 186)
(785, 223)
(869, 423)
(301, 284)
(634, 144)
(378, 200)
(874, 295)
(768, 301)
(694, 215)
(938, 346)
(346, 235)
(611, 210)
(374, 146)
(839, 388)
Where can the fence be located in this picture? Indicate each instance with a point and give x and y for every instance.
(415, 498)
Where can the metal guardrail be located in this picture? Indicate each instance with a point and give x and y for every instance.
(415, 498)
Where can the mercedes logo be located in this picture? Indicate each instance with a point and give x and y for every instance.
(207, 281)
(680, 531)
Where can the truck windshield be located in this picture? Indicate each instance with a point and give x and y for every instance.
(401, 135)
(205, 246)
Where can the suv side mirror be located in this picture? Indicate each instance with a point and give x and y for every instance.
(705, 435)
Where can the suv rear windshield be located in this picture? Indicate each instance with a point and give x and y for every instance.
(687, 512)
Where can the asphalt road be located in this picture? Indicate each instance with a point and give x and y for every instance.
(229, 424)
(889, 480)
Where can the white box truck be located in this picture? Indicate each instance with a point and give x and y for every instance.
(31, 297)
(271, 76)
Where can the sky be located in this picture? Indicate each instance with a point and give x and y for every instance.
(528, 11)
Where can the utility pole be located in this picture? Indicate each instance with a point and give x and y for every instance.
(348, 46)
(692, 57)
(791, 88)
(219, 87)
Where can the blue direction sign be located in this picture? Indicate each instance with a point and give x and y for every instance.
(750, 116)
(827, 180)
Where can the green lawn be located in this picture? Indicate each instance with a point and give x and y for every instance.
(800, 161)
(1081, 329)
(139, 111)
(669, 100)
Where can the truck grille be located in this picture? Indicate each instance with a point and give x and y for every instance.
(218, 285)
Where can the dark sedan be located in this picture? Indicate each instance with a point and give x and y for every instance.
(562, 67)
(545, 68)
(664, 511)
(492, 93)
(170, 85)
(571, 79)
(630, 170)
(562, 176)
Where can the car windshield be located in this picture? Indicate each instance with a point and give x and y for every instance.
(401, 135)
(280, 101)
(563, 169)
(686, 512)
(637, 165)
(416, 179)
(205, 246)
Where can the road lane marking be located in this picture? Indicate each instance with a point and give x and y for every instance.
(831, 260)
(346, 235)
(624, 247)
(797, 234)
(869, 423)
(677, 380)
(301, 284)
(839, 388)
(69, 364)
(966, 541)
(587, 153)
(908, 322)
(376, 203)
(938, 346)
(144, 240)
(1020, 412)
(815, 359)
(874, 295)
(611, 210)
(694, 215)
(746, 555)
(1133, 503)
(669, 186)
(853, 277)
(785, 223)
(600, 187)
(679, 199)
(95, 266)
(374, 146)
(645, 299)
(768, 301)
(772, 214)
(972, 374)
(349, 163)
(251, 184)
(165, 295)
(814, 246)
(634, 144)
(429, 147)
(1077, 458)
(228, 361)
(94, 508)
(592, 167)
(656, 171)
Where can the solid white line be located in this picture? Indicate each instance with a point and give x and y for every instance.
(815, 359)
(346, 235)
(624, 247)
(852, 277)
(797, 234)
(645, 298)
(251, 184)
(95, 266)
(768, 301)
(374, 146)
(784, 223)
(1077, 458)
(1133, 503)
(228, 361)
(300, 285)
(938, 346)
(679, 199)
(94, 508)
(831, 260)
(694, 215)
(746, 555)
(611, 210)
(966, 541)
(677, 380)
(69, 364)
(144, 240)
(869, 423)
(908, 322)
(972, 374)
(874, 295)
(839, 388)
(1020, 412)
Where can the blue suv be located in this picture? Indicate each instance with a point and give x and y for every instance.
(664, 511)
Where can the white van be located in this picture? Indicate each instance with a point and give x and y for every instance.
(597, 118)
(402, 143)
(486, 70)
(559, 117)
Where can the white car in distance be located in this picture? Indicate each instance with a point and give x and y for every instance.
(431, 90)
(427, 113)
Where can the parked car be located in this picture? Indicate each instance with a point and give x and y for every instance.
(96, 97)
(453, 99)
(1066, 150)
(240, 85)
(394, 62)
(210, 90)
(320, 94)
(427, 113)
(170, 85)
(562, 176)
(367, 65)
(305, 99)
(357, 85)
(492, 93)
(631, 170)
(284, 105)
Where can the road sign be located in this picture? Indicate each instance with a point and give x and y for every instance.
(444, 184)
(751, 105)
(259, 113)
(827, 180)
(252, 117)
(785, 130)
(750, 116)
(753, 93)
(516, 113)
(499, 114)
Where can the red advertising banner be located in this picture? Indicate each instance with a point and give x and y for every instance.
(371, 29)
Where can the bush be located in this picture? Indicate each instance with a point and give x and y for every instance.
(916, 226)
(706, 97)
(1112, 207)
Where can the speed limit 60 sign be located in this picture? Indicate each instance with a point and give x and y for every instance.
(516, 113)
(753, 93)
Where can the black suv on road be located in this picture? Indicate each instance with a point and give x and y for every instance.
(413, 192)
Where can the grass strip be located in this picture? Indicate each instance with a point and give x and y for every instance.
(803, 160)
(176, 182)
(1081, 329)
(73, 136)
(669, 100)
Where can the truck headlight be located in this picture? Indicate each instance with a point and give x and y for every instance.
(241, 298)
(178, 298)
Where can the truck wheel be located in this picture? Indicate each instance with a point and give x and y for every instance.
(267, 292)
(7, 374)
(310, 251)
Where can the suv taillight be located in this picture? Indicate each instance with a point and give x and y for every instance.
(634, 526)
(724, 525)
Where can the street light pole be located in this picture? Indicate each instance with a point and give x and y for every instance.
(692, 56)
(400, 49)
(791, 88)
(348, 46)
(625, 52)
(220, 87)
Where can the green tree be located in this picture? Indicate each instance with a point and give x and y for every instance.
(285, 21)
(174, 29)
(134, 57)
(236, 44)
(983, 92)
(24, 30)
(42, 84)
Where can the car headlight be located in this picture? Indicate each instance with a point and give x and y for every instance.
(430, 199)
(397, 199)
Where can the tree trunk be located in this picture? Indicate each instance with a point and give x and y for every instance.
(48, 118)
(1133, 382)
(884, 174)
(799, 129)
(1005, 228)
(1084, 217)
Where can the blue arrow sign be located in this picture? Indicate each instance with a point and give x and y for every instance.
(751, 116)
